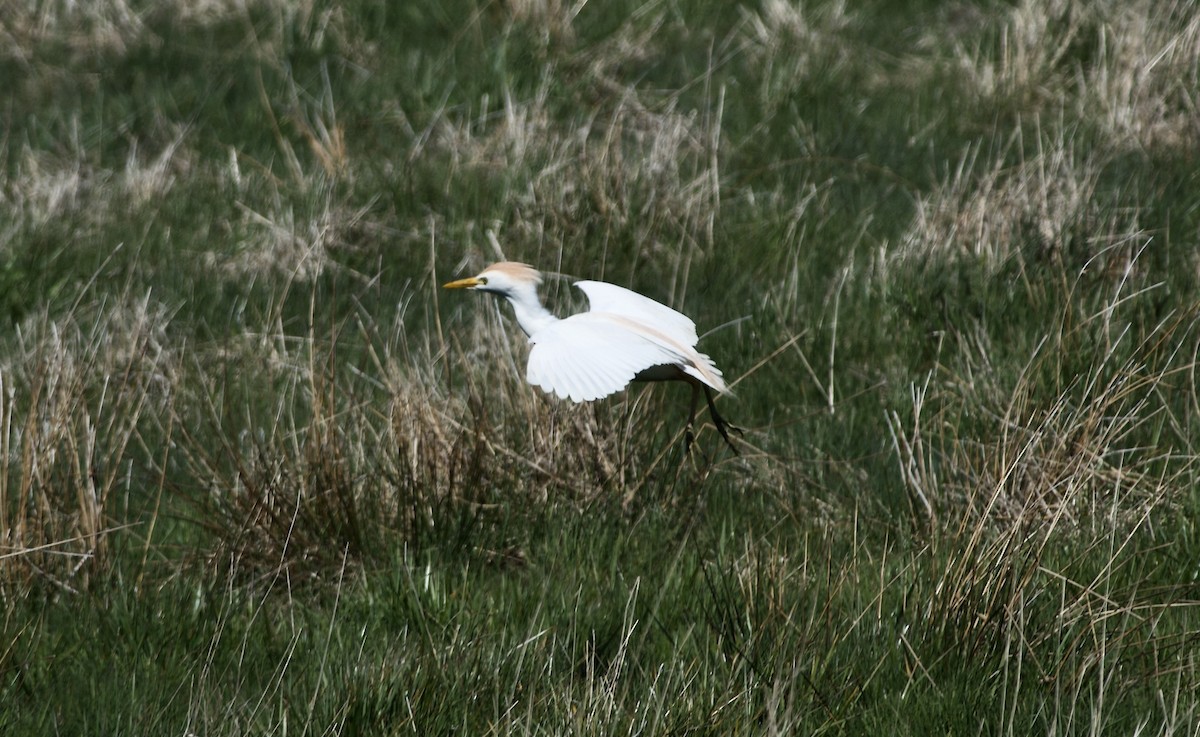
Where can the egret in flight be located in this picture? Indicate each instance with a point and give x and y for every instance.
(623, 337)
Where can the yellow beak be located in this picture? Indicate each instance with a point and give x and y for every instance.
(462, 283)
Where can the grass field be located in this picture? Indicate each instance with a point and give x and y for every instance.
(260, 475)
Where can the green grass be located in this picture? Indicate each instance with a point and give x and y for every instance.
(259, 475)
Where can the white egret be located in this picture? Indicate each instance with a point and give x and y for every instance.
(623, 337)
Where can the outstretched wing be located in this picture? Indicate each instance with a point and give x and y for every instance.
(589, 356)
(605, 297)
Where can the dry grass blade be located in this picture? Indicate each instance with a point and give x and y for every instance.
(1063, 458)
(72, 406)
(1138, 79)
(988, 212)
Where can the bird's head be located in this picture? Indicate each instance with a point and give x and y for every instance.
(506, 278)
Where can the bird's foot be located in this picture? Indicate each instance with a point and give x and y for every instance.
(723, 428)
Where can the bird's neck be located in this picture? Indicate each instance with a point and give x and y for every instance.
(531, 315)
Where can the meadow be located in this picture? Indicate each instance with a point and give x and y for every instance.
(259, 474)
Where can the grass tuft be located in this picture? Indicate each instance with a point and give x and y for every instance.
(77, 393)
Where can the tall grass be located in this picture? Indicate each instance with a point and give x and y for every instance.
(258, 475)
(77, 393)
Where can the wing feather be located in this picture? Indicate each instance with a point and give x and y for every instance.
(589, 356)
(605, 297)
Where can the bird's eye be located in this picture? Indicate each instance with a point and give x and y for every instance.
(483, 280)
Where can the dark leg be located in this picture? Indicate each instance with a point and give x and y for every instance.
(723, 426)
(688, 436)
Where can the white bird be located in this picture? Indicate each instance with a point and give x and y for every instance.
(623, 337)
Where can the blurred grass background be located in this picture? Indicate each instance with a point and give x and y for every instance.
(258, 476)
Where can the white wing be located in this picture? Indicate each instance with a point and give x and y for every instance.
(589, 356)
(605, 297)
